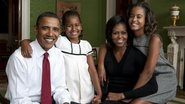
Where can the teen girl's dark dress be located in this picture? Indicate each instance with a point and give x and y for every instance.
(123, 75)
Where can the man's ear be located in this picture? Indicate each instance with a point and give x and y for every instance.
(35, 28)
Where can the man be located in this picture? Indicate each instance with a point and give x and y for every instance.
(39, 79)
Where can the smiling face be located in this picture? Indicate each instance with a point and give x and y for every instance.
(47, 32)
(73, 28)
(137, 20)
(119, 35)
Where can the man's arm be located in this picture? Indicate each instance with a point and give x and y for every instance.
(17, 91)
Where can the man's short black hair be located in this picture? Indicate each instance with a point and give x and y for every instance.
(47, 14)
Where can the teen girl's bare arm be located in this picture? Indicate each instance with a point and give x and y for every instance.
(153, 55)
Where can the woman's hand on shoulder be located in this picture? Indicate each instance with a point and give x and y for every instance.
(26, 49)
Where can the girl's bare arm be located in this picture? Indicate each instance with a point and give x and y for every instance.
(94, 77)
(153, 55)
(26, 49)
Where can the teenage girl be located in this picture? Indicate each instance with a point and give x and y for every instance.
(81, 75)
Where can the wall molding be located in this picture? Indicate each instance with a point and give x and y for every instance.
(110, 9)
(25, 19)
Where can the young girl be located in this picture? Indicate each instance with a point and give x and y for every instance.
(80, 69)
(143, 25)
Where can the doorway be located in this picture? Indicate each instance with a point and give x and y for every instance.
(10, 33)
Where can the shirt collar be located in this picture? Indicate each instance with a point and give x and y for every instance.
(39, 50)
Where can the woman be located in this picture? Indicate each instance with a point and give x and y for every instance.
(143, 25)
(123, 64)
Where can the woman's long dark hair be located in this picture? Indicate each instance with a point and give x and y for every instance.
(112, 22)
(150, 20)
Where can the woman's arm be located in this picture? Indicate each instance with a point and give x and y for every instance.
(17, 73)
(149, 88)
(26, 49)
(153, 55)
(101, 68)
(94, 78)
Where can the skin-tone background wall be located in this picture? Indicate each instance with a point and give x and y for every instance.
(93, 15)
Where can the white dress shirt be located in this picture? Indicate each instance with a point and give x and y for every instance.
(25, 76)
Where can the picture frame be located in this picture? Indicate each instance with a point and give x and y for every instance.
(135, 1)
(63, 6)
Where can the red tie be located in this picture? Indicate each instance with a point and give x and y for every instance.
(46, 84)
